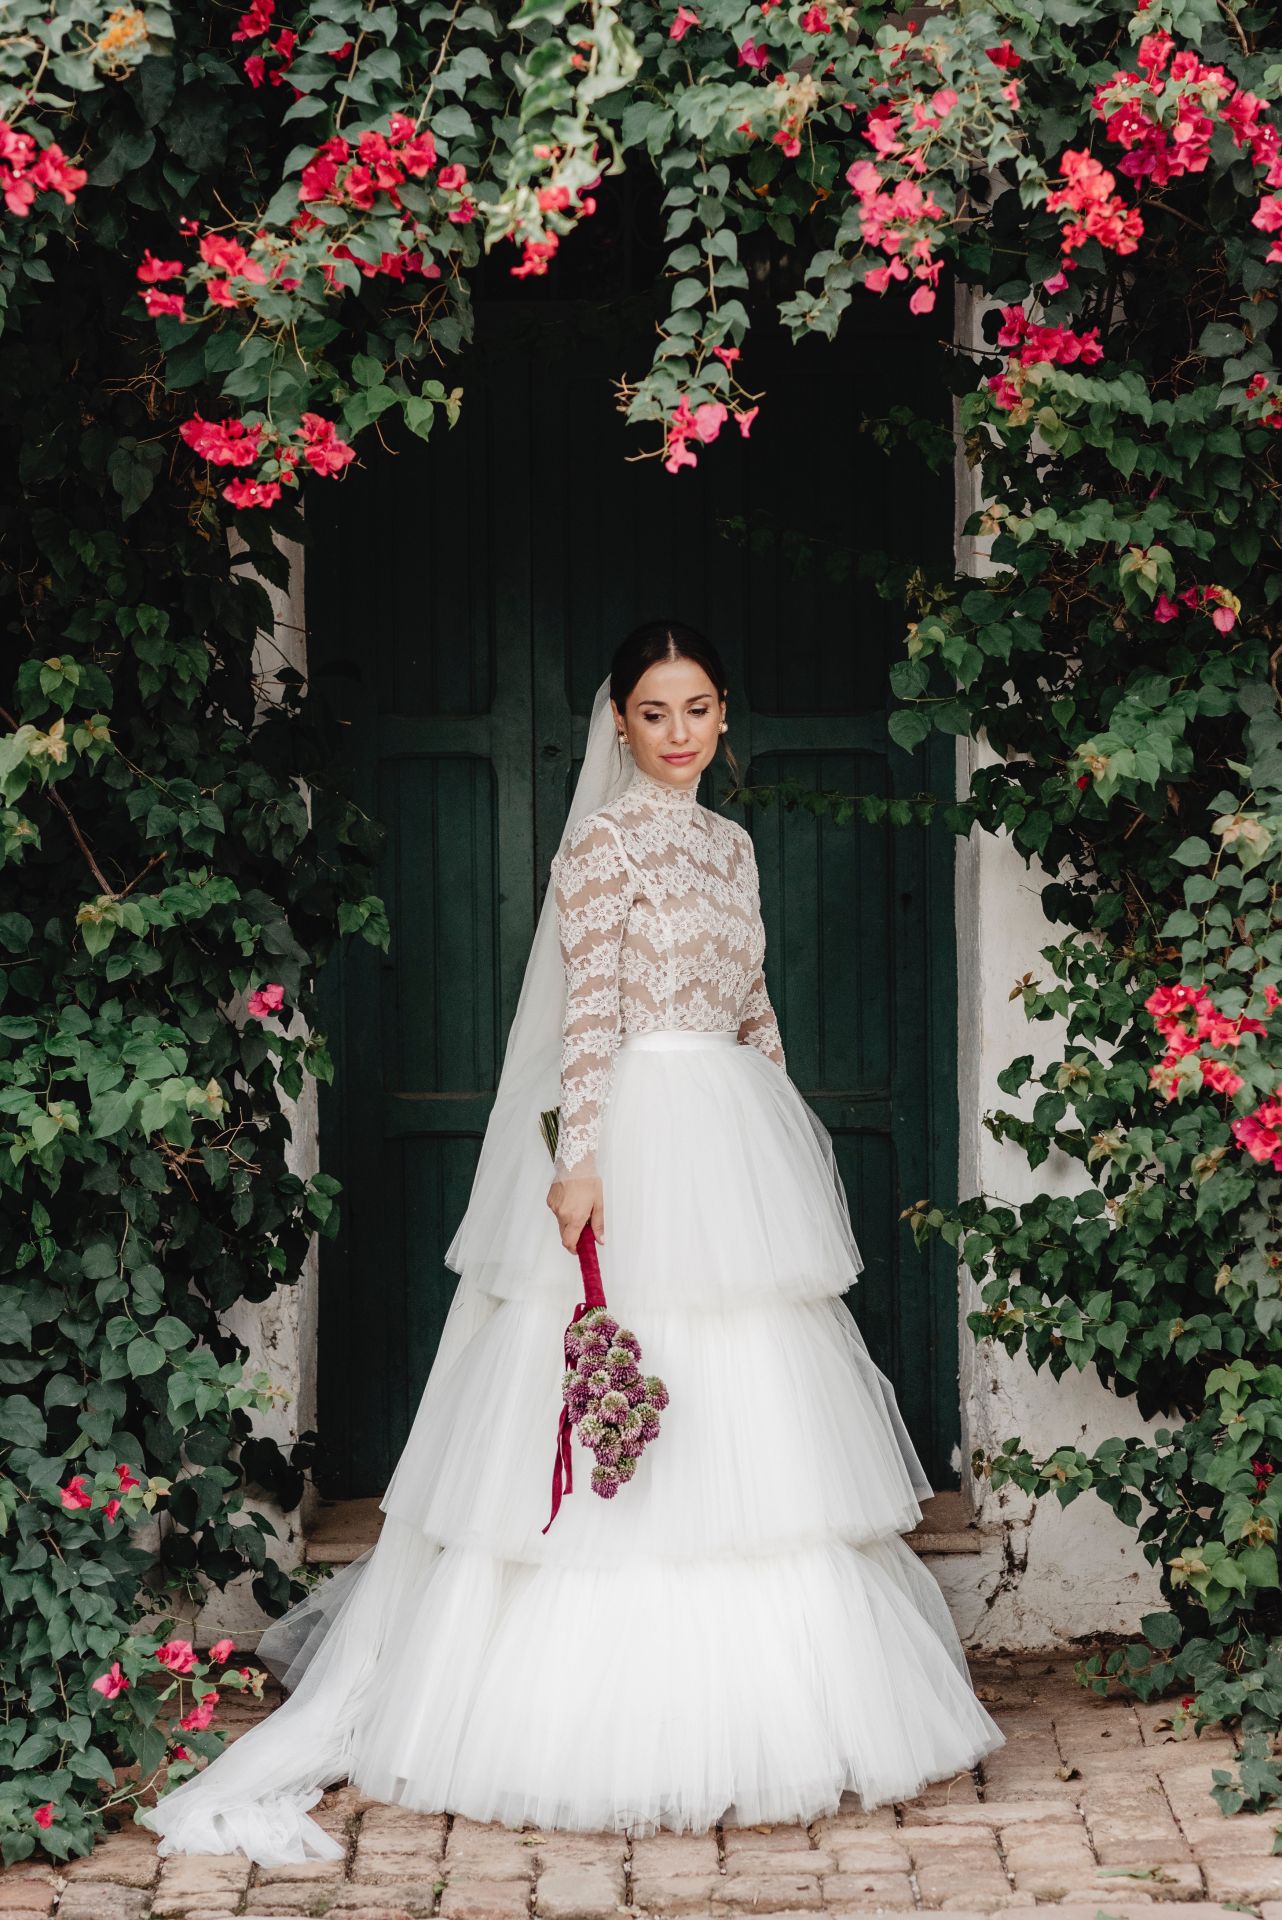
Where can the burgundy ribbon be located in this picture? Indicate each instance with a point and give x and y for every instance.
(593, 1296)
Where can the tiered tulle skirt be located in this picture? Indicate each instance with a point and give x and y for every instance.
(740, 1634)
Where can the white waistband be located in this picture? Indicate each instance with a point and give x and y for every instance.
(659, 1038)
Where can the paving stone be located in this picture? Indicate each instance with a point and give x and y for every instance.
(192, 1880)
(683, 1893)
(990, 1813)
(130, 1859)
(795, 1859)
(870, 1853)
(764, 1839)
(299, 1898)
(757, 1893)
(1244, 1879)
(578, 1892)
(411, 1898)
(98, 1901)
(607, 1851)
(1218, 1838)
(960, 1883)
(864, 1891)
(313, 1871)
(30, 1896)
(485, 1900)
(669, 1855)
(853, 1820)
(490, 1852)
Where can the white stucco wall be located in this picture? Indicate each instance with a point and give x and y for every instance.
(280, 1333)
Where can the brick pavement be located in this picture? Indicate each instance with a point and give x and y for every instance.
(1094, 1805)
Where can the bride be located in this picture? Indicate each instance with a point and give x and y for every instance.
(739, 1633)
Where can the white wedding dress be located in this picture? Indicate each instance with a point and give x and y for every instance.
(741, 1632)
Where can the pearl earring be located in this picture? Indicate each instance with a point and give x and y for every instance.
(724, 726)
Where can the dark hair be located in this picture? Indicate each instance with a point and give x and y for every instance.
(656, 640)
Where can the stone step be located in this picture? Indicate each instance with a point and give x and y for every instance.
(341, 1530)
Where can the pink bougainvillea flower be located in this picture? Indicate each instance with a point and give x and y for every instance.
(746, 418)
(1004, 56)
(815, 20)
(201, 1714)
(180, 1753)
(224, 443)
(153, 269)
(751, 55)
(159, 304)
(179, 1656)
(256, 22)
(252, 493)
(75, 1494)
(1088, 192)
(111, 1509)
(324, 452)
(221, 1651)
(726, 355)
(682, 22)
(452, 178)
(922, 300)
(126, 1478)
(112, 1683)
(708, 420)
(1164, 609)
(266, 1000)
(43, 1816)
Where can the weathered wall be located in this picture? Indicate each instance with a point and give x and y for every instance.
(281, 1333)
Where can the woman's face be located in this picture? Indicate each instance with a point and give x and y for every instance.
(673, 721)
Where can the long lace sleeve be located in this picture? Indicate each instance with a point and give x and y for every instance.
(593, 883)
(758, 1026)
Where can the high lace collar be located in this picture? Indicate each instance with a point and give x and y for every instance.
(682, 801)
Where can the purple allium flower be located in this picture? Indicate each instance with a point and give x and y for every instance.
(577, 1402)
(650, 1425)
(656, 1392)
(623, 1377)
(605, 1481)
(606, 1326)
(569, 1381)
(631, 1421)
(608, 1449)
(626, 1338)
(612, 1407)
(625, 1469)
(591, 1430)
(632, 1446)
(598, 1383)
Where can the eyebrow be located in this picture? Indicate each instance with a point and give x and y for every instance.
(694, 700)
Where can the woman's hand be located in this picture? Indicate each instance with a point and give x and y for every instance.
(575, 1202)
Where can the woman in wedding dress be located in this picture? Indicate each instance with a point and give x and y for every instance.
(740, 1633)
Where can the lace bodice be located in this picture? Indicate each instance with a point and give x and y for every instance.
(659, 916)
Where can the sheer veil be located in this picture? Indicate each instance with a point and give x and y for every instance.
(493, 1243)
(507, 1242)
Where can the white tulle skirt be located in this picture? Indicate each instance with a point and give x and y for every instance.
(741, 1634)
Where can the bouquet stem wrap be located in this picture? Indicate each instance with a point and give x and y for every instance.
(593, 1296)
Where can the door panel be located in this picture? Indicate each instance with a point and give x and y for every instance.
(464, 599)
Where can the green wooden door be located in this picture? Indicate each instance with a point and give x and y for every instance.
(464, 598)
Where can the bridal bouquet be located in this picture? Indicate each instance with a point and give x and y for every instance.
(604, 1393)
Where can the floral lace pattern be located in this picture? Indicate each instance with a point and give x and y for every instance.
(659, 915)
